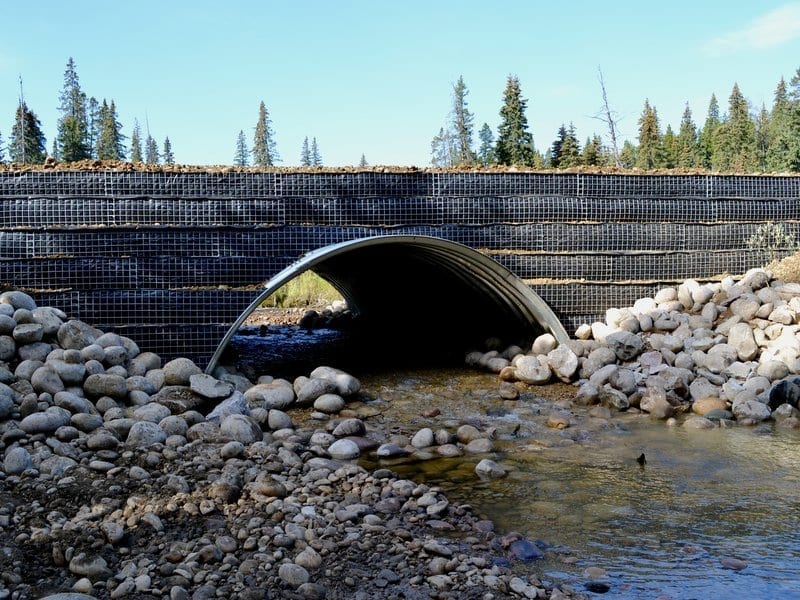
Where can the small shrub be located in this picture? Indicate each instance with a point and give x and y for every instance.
(772, 239)
(307, 289)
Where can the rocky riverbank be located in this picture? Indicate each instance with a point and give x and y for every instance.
(117, 482)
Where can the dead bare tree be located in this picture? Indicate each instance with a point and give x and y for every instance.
(609, 117)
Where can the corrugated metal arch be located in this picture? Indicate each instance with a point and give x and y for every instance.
(380, 278)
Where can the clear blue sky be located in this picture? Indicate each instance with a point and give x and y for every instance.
(376, 77)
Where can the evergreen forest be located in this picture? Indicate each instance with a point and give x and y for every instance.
(732, 137)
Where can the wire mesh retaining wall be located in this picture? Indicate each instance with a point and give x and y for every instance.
(173, 258)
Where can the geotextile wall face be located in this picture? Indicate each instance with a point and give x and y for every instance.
(172, 259)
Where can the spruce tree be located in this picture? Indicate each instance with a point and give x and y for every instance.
(628, 155)
(686, 145)
(241, 157)
(779, 131)
(514, 141)
(735, 143)
(150, 151)
(109, 141)
(762, 138)
(708, 135)
(565, 150)
(555, 147)
(669, 146)
(363, 162)
(443, 149)
(167, 155)
(592, 155)
(316, 158)
(305, 154)
(486, 148)
(265, 153)
(73, 128)
(462, 125)
(649, 153)
(93, 115)
(27, 144)
(136, 143)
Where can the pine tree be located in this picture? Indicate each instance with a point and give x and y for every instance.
(514, 141)
(628, 155)
(669, 149)
(241, 157)
(565, 151)
(93, 115)
(649, 154)
(27, 144)
(687, 152)
(109, 141)
(305, 154)
(136, 143)
(486, 149)
(73, 128)
(363, 162)
(316, 158)
(708, 135)
(167, 155)
(462, 125)
(735, 143)
(265, 153)
(150, 151)
(592, 155)
(762, 138)
(443, 149)
(555, 147)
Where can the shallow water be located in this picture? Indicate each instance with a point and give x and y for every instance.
(657, 530)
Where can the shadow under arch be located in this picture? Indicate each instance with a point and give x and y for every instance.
(420, 290)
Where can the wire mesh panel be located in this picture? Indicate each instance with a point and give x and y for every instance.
(173, 257)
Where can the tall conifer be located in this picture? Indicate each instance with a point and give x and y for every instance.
(73, 128)
(514, 141)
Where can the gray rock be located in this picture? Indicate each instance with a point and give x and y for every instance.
(153, 412)
(144, 362)
(699, 423)
(277, 419)
(752, 410)
(626, 346)
(45, 379)
(488, 469)
(234, 405)
(313, 389)
(293, 575)
(346, 384)
(179, 371)
(344, 449)
(741, 338)
(56, 466)
(611, 398)
(102, 439)
(28, 333)
(93, 567)
(45, 422)
(423, 438)
(17, 300)
(178, 399)
(349, 427)
(76, 334)
(270, 395)
(544, 344)
(86, 422)
(563, 363)
(241, 428)
(390, 451)
(8, 348)
(479, 446)
(529, 369)
(329, 403)
(16, 461)
(105, 384)
(209, 387)
(144, 434)
(7, 404)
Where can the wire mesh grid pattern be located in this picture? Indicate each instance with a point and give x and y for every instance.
(175, 257)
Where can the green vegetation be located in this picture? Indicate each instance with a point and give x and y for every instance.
(307, 289)
(773, 239)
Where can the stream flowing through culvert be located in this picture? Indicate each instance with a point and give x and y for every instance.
(659, 530)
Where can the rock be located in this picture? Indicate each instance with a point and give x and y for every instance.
(741, 338)
(466, 433)
(524, 550)
(479, 446)
(329, 403)
(76, 335)
(178, 399)
(783, 392)
(703, 406)
(28, 333)
(348, 427)
(423, 438)
(93, 567)
(654, 402)
(626, 346)
(752, 410)
(45, 422)
(557, 422)
(209, 387)
(735, 564)
(45, 379)
(269, 396)
(563, 363)
(144, 434)
(308, 558)
(488, 469)
(528, 369)
(293, 575)
(179, 371)
(241, 428)
(773, 370)
(234, 405)
(543, 344)
(346, 384)
(344, 449)
(16, 461)
(105, 384)
(611, 398)
(699, 423)
(277, 419)
(231, 450)
(314, 388)
(8, 348)
(390, 451)
(17, 300)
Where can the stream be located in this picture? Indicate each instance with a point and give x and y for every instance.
(666, 529)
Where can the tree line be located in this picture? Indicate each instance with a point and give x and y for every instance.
(738, 140)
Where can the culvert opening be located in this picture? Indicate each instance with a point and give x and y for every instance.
(412, 301)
